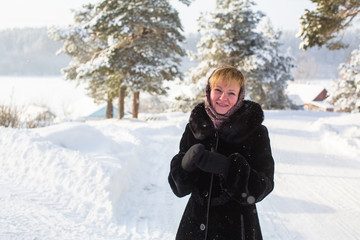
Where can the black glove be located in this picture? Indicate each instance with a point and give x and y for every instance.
(192, 156)
(241, 164)
(213, 162)
(241, 170)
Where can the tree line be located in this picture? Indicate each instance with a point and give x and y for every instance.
(121, 47)
(20, 45)
(30, 51)
(135, 46)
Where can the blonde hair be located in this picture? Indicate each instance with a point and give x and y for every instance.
(227, 73)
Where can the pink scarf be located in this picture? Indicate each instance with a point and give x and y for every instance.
(219, 119)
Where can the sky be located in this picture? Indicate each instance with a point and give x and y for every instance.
(284, 14)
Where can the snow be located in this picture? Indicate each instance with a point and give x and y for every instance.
(63, 98)
(107, 179)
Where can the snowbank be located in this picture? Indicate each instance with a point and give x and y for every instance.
(109, 177)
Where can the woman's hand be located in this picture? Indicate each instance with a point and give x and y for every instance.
(198, 157)
(192, 156)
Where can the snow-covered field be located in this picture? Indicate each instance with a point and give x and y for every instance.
(107, 179)
(64, 98)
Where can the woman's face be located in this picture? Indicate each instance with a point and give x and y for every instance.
(224, 97)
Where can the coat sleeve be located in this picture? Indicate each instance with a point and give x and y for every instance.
(181, 181)
(251, 176)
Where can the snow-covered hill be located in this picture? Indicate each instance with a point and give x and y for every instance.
(107, 179)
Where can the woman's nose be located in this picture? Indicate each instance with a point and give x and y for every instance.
(222, 96)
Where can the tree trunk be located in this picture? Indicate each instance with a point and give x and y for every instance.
(121, 107)
(136, 101)
(109, 109)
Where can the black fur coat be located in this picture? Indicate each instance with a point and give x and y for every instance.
(231, 212)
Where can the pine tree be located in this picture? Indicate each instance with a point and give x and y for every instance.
(268, 80)
(322, 26)
(143, 38)
(230, 36)
(132, 45)
(345, 92)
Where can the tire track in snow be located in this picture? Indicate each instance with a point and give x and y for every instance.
(30, 215)
(312, 185)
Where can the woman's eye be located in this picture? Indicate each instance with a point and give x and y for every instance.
(218, 90)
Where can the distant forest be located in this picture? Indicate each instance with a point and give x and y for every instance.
(30, 51)
(317, 63)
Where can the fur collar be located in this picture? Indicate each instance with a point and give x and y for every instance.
(237, 128)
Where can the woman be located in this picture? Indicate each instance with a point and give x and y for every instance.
(224, 162)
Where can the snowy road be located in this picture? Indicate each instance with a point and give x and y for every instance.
(317, 178)
(108, 179)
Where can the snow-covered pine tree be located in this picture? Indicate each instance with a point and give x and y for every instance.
(345, 92)
(267, 82)
(322, 25)
(124, 44)
(143, 38)
(229, 37)
(82, 44)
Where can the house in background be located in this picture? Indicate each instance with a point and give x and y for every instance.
(311, 97)
(101, 113)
